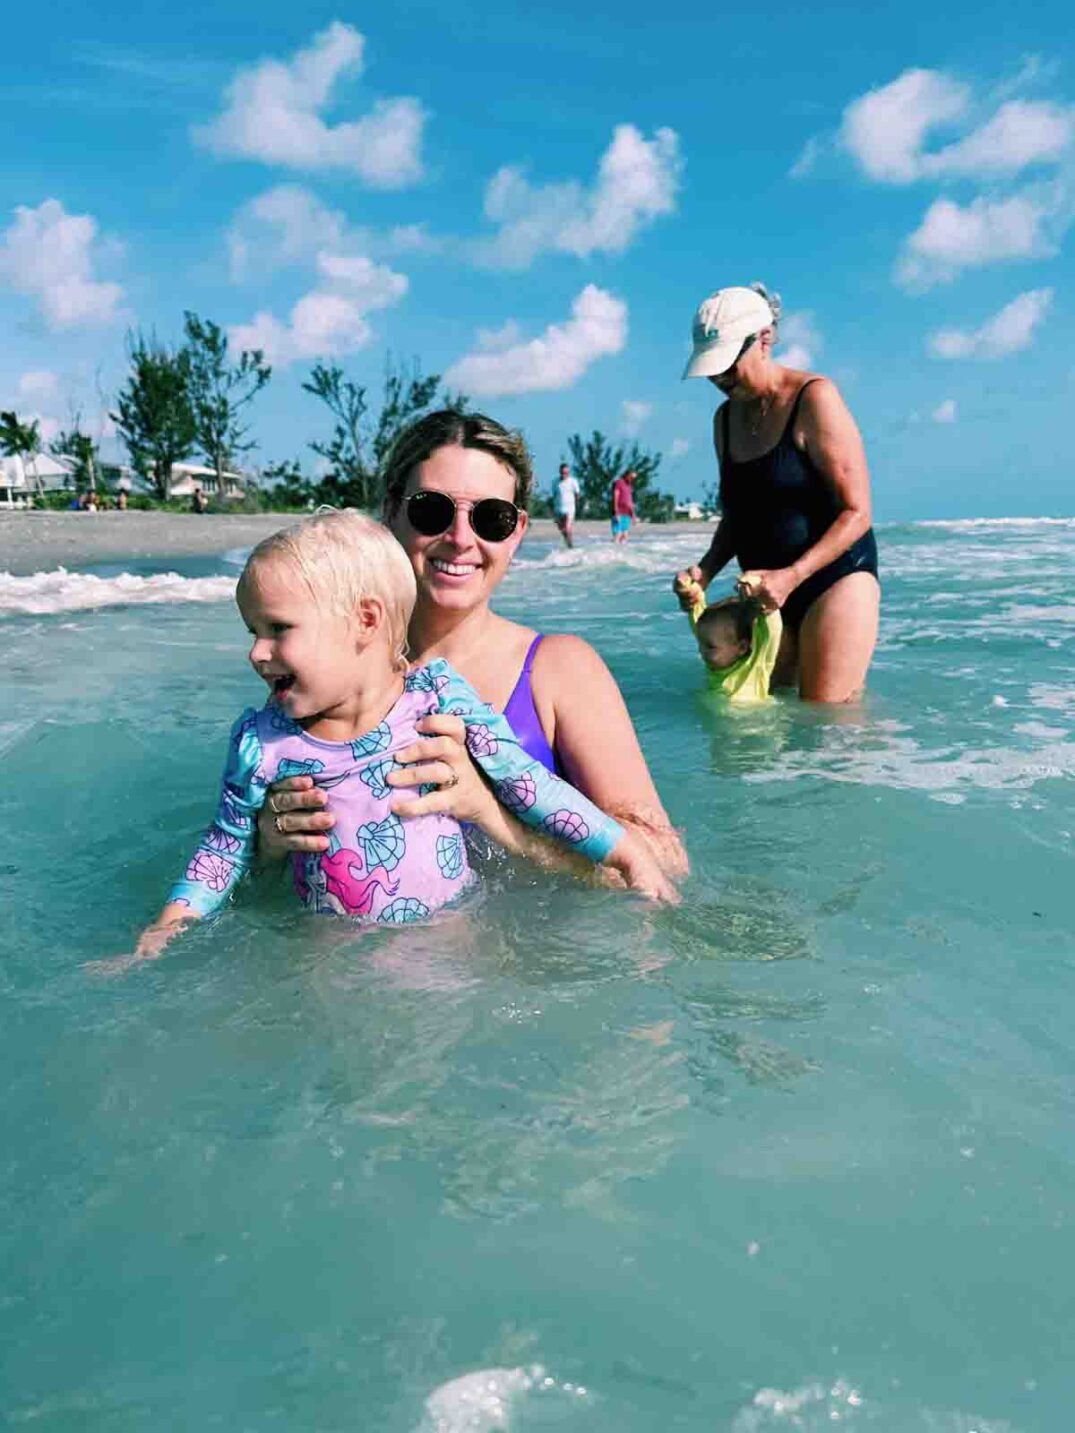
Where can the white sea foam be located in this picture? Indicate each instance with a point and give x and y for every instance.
(817, 1405)
(47, 593)
(901, 763)
(991, 569)
(666, 553)
(814, 1405)
(1053, 699)
(963, 524)
(483, 1401)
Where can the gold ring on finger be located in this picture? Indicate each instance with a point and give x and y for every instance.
(276, 822)
(453, 780)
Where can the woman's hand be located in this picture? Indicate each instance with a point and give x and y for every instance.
(637, 865)
(688, 585)
(769, 587)
(293, 818)
(441, 760)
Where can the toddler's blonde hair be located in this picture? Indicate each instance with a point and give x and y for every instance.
(342, 557)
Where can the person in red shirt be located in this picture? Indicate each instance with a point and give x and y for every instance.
(623, 506)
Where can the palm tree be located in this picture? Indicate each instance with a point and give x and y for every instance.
(21, 440)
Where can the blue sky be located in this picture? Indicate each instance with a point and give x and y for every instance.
(534, 202)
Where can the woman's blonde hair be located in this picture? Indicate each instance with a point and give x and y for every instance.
(343, 557)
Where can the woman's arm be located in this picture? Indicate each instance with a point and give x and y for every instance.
(834, 446)
(585, 718)
(441, 760)
(833, 443)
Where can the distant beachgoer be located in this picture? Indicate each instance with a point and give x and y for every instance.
(199, 503)
(794, 496)
(457, 488)
(121, 500)
(564, 499)
(327, 603)
(623, 505)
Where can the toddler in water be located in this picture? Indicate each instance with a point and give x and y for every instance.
(737, 641)
(327, 603)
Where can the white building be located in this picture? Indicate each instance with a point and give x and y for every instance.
(188, 476)
(22, 478)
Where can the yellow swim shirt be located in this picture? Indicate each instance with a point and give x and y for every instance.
(748, 677)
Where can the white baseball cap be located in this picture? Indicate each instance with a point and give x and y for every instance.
(723, 323)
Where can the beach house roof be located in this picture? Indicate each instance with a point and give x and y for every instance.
(32, 474)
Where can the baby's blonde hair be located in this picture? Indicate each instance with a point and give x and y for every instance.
(342, 557)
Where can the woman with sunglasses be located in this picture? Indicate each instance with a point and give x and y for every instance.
(457, 487)
(794, 497)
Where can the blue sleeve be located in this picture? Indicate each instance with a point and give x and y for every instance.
(522, 784)
(225, 851)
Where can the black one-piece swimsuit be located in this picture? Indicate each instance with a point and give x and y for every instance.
(777, 507)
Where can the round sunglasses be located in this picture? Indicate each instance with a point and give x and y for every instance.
(491, 519)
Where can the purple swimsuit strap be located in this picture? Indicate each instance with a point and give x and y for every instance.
(522, 717)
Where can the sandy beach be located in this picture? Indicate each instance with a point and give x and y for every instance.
(43, 541)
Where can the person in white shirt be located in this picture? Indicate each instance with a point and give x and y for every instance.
(564, 499)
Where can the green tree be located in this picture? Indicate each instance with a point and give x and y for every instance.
(286, 486)
(359, 444)
(345, 450)
(220, 389)
(154, 413)
(21, 440)
(596, 463)
(82, 450)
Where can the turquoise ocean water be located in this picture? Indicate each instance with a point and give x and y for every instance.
(799, 1153)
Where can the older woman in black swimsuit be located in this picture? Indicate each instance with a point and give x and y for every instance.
(794, 496)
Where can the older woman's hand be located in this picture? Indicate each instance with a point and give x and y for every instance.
(293, 818)
(688, 587)
(440, 760)
(771, 587)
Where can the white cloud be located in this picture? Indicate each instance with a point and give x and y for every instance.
(946, 411)
(887, 128)
(679, 449)
(271, 113)
(637, 181)
(802, 340)
(49, 255)
(288, 224)
(952, 237)
(633, 414)
(330, 320)
(1021, 133)
(1009, 331)
(509, 364)
(39, 384)
(808, 157)
(283, 226)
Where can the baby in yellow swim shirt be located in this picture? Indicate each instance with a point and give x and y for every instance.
(737, 641)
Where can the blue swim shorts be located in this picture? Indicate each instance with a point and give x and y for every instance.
(621, 523)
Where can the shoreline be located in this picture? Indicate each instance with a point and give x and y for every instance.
(33, 542)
